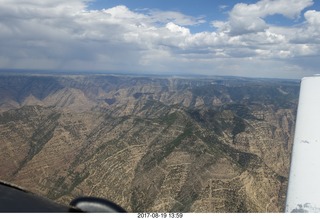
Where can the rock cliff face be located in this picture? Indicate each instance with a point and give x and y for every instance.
(150, 144)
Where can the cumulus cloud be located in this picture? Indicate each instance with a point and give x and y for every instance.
(175, 17)
(310, 32)
(263, 8)
(67, 35)
(249, 18)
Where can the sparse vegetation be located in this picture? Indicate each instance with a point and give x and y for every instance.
(150, 145)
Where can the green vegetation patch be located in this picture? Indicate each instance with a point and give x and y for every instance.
(169, 119)
(40, 138)
(239, 126)
(154, 157)
(61, 186)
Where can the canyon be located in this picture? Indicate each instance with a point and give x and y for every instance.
(150, 143)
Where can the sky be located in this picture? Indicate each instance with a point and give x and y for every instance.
(266, 38)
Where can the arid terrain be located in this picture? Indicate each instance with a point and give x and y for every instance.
(150, 143)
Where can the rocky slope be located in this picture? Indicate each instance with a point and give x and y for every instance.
(148, 143)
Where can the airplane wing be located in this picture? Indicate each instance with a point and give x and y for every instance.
(304, 179)
(17, 200)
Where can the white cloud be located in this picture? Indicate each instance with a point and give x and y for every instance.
(248, 18)
(175, 17)
(61, 34)
(311, 32)
(178, 29)
(263, 8)
(313, 17)
(223, 7)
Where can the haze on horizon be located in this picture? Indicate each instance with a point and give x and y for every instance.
(266, 38)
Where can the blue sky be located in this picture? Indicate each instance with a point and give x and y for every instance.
(207, 9)
(265, 38)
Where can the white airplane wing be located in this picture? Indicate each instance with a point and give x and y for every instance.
(304, 180)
